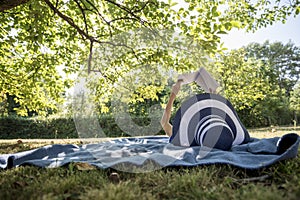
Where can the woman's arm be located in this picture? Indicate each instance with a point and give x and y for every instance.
(165, 120)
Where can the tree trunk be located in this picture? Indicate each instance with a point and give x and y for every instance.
(9, 4)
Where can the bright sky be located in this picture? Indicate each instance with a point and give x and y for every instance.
(290, 31)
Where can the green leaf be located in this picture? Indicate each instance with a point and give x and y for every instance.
(236, 24)
(297, 10)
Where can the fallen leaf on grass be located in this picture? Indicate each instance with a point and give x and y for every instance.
(84, 166)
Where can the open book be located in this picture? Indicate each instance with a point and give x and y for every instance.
(202, 78)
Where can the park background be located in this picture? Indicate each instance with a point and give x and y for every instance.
(45, 42)
(43, 53)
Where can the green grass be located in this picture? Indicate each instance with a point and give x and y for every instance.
(77, 181)
(280, 181)
(273, 131)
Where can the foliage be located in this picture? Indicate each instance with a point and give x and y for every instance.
(283, 61)
(282, 69)
(258, 79)
(42, 39)
(243, 81)
(33, 48)
(295, 98)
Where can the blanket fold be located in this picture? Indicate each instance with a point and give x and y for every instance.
(139, 152)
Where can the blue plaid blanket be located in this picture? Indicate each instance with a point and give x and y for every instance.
(149, 153)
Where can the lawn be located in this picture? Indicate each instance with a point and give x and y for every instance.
(79, 181)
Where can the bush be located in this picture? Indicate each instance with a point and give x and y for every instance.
(20, 127)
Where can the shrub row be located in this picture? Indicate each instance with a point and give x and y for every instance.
(61, 127)
(26, 128)
(18, 127)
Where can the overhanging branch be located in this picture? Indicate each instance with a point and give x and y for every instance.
(68, 20)
(85, 34)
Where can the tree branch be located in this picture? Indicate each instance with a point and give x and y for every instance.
(90, 58)
(97, 11)
(143, 7)
(100, 15)
(127, 10)
(84, 17)
(121, 18)
(85, 35)
(68, 20)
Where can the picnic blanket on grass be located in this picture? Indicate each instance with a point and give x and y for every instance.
(140, 151)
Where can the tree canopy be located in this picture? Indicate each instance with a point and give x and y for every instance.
(43, 42)
(260, 80)
(295, 98)
(283, 60)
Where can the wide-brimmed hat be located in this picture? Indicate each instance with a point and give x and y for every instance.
(208, 120)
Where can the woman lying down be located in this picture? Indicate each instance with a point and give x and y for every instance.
(206, 119)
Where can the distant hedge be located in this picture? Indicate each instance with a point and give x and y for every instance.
(48, 128)
(18, 127)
